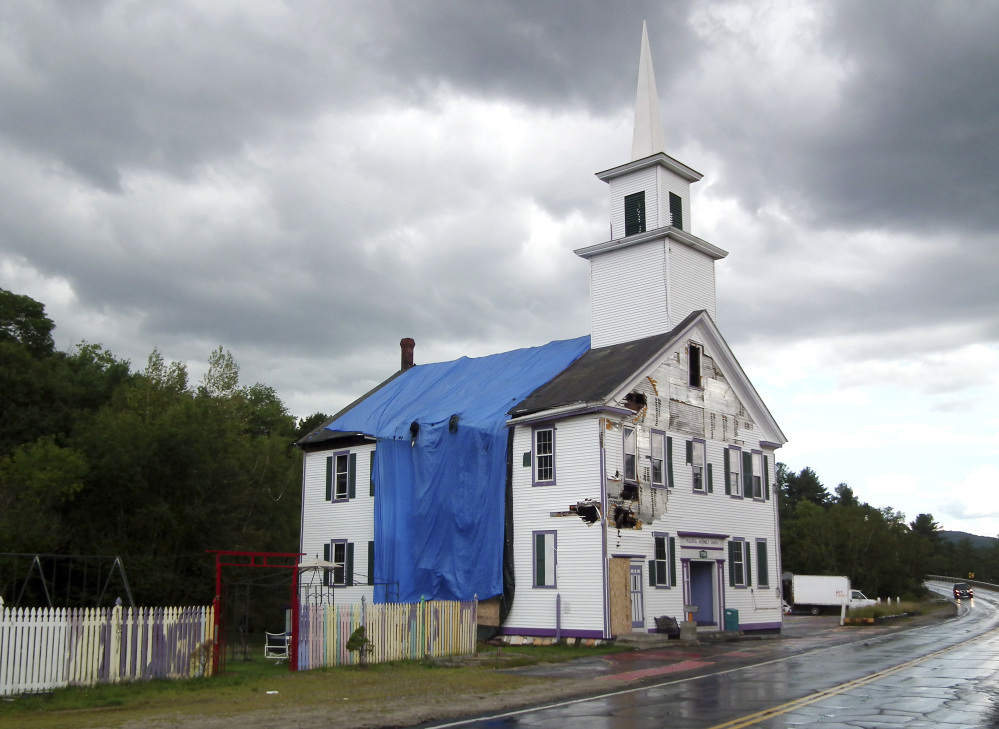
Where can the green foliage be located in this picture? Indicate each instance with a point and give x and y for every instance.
(874, 547)
(97, 459)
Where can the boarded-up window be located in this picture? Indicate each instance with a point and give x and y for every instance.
(634, 213)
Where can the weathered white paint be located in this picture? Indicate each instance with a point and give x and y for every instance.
(668, 181)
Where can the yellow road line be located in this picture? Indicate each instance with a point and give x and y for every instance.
(773, 711)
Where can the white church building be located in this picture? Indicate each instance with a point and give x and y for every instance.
(582, 488)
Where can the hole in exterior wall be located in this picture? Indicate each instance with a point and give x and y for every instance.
(629, 492)
(635, 401)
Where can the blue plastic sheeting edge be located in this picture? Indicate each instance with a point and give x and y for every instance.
(439, 505)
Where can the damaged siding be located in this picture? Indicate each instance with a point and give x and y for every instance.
(577, 465)
(628, 294)
(713, 413)
(352, 520)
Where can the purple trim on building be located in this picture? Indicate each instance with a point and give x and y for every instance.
(702, 534)
(550, 633)
(534, 455)
(700, 547)
(669, 558)
(761, 626)
(768, 444)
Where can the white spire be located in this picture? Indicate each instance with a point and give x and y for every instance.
(648, 137)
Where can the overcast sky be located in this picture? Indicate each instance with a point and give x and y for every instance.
(305, 183)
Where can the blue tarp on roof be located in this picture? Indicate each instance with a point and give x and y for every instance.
(439, 508)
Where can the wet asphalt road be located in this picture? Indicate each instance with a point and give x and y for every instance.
(942, 675)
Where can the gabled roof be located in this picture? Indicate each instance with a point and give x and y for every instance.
(598, 374)
(601, 377)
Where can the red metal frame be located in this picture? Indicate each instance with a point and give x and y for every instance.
(257, 559)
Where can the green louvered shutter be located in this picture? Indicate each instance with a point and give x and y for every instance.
(371, 473)
(675, 211)
(326, 572)
(672, 561)
(690, 451)
(329, 478)
(749, 562)
(349, 577)
(728, 472)
(711, 479)
(669, 461)
(652, 573)
(539, 560)
(766, 478)
(731, 562)
(371, 563)
(352, 476)
(747, 474)
(762, 570)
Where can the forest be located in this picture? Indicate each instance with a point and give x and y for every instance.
(100, 458)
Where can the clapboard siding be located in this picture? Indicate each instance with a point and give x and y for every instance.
(628, 294)
(692, 281)
(353, 520)
(628, 184)
(714, 413)
(671, 182)
(579, 551)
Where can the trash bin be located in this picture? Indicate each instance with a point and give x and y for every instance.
(731, 619)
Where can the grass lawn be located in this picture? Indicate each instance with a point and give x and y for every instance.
(246, 685)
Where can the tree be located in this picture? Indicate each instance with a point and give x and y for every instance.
(23, 320)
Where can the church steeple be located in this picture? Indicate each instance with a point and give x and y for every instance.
(648, 137)
(653, 272)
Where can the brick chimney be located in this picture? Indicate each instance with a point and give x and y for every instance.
(407, 346)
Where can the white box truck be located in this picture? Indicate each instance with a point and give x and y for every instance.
(818, 593)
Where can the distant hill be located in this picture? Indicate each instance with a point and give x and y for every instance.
(977, 541)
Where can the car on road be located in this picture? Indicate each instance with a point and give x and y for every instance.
(962, 589)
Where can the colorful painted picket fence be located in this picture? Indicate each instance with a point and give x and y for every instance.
(44, 648)
(397, 632)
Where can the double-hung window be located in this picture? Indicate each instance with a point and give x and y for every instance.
(544, 559)
(695, 457)
(544, 455)
(756, 464)
(739, 573)
(662, 569)
(630, 454)
(733, 483)
(341, 553)
(657, 451)
(341, 476)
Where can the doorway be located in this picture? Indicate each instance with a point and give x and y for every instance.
(702, 592)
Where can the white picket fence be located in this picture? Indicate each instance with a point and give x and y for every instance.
(396, 631)
(45, 648)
